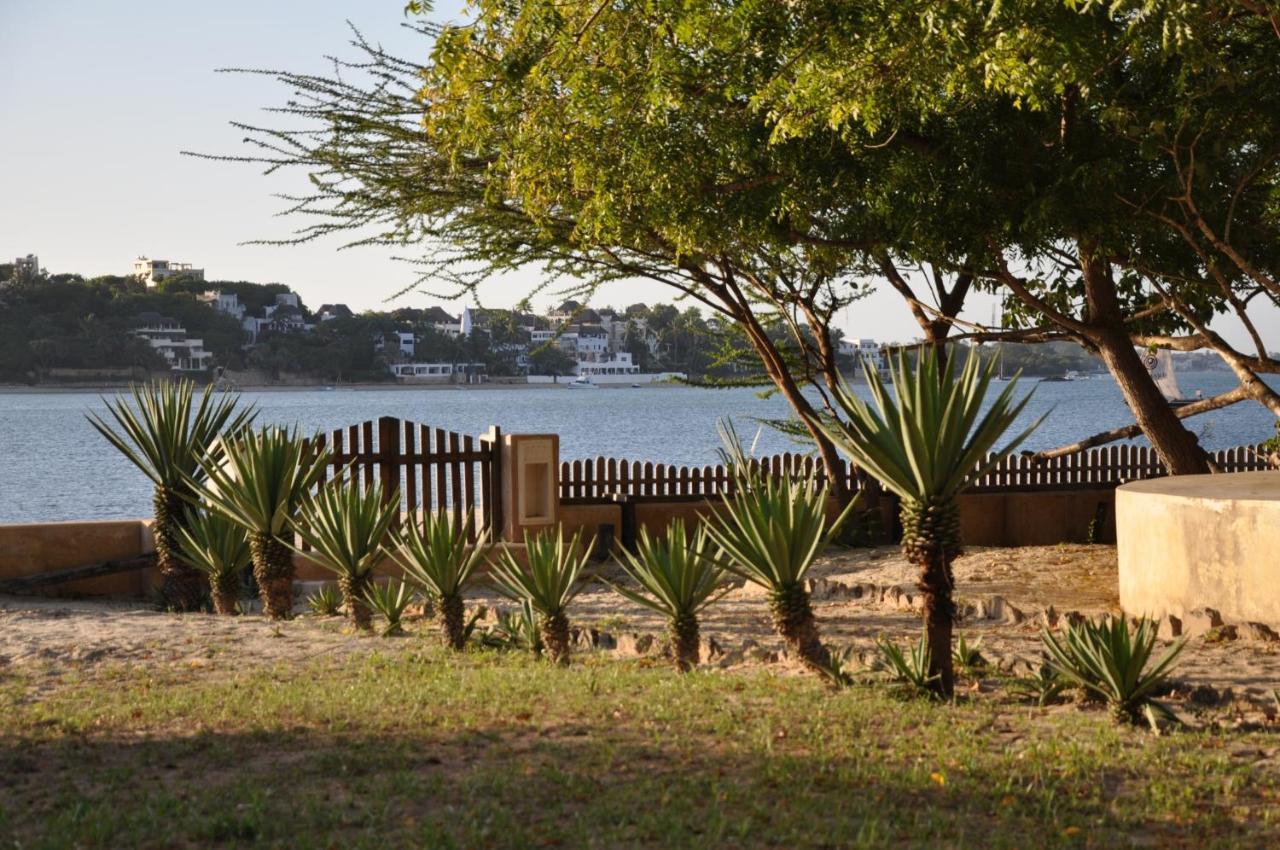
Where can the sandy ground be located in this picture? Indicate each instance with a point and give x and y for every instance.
(52, 633)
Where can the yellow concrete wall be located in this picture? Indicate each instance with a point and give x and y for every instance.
(28, 549)
(1201, 541)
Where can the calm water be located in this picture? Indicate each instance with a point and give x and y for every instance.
(55, 466)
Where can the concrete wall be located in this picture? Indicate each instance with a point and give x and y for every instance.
(1201, 541)
(32, 548)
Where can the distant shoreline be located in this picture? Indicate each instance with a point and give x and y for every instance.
(23, 389)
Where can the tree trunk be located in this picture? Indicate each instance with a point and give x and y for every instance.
(452, 627)
(1177, 446)
(273, 570)
(793, 620)
(684, 642)
(182, 586)
(931, 541)
(555, 637)
(225, 603)
(354, 588)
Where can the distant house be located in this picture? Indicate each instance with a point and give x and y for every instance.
(863, 350)
(572, 311)
(223, 302)
(439, 373)
(619, 363)
(170, 340)
(152, 272)
(328, 312)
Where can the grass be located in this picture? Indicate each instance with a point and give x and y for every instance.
(410, 746)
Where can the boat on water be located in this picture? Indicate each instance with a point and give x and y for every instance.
(582, 383)
(1160, 365)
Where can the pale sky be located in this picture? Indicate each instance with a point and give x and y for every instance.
(97, 99)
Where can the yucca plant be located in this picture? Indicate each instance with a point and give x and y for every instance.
(1109, 657)
(926, 444)
(347, 528)
(515, 630)
(769, 532)
(1043, 687)
(166, 432)
(547, 584)
(435, 557)
(911, 669)
(968, 656)
(678, 577)
(325, 602)
(390, 600)
(260, 482)
(218, 548)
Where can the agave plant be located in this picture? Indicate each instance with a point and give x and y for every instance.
(219, 548)
(927, 446)
(436, 559)
(390, 600)
(260, 481)
(912, 669)
(346, 528)
(325, 602)
(164, 431)
(1109, 658)
(547, 584)
(515, 630)
(678, 578)
(769, 532)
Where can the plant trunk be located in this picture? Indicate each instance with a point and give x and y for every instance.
(451, 622)
(273, 570)
(182, 586)
(684, 642)
(931, 541)
(793, 620)
(224, 602)
(353, 589)
(555, 637)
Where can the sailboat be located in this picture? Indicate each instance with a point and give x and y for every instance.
(1160, 365)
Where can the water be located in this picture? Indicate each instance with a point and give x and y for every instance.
(56, 467)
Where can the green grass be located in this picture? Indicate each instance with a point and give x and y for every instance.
(414, 747)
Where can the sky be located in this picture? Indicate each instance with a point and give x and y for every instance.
(98, 99)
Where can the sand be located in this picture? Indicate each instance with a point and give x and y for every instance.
(55, 633)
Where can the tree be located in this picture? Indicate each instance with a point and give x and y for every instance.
(1139, 133)
(551, 360)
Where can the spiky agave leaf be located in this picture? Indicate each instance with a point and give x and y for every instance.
(435, 555)
(436, 560)
(910, 668)
(1110, 657)
(164, 436)
(547, 584)
(930, 439)
(219, 548)
(390, 600)
(678, 578)
(346, 526)
(326, 601)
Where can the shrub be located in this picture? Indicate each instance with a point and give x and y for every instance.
(547, 584)
(1109, 658)
(325, 602)
(390, 601)
(436, 560)
(219, 548)
(911, 669)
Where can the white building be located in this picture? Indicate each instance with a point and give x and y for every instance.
(863, 350)
(26, 268)
(152, 272)
(439, 373)
(170, 339)
(619, 364)
(223, 302)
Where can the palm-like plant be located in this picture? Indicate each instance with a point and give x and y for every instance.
(346, 528)
(548, 583)
(769, 532)
(390, 600)
(436, 559)
(260, 482)
(1109, 658)
(166, 432)
(678, 578)
(219, 548)
(927, 446)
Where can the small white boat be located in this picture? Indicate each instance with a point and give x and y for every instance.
(581, 383)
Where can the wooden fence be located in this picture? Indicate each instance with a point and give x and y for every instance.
(600, 480)
(434, 469)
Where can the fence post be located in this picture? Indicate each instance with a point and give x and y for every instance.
(388, 457)
(493, 499)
